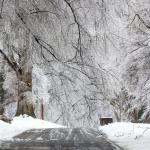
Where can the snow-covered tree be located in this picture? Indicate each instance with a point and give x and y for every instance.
(85, 51)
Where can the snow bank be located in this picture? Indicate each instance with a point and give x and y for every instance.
(21, 124)
(129, 135)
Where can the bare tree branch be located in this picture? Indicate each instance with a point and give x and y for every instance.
(1, 11)
(139, 17)
(43, 11)
(79, 29)
(38, 40)
(13, 65)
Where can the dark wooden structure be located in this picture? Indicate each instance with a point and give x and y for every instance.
(105, 120)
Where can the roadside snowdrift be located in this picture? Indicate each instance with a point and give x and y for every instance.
(130, 136)
(21, 124)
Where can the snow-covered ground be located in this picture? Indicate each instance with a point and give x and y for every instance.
(130, 136)
(21, 124)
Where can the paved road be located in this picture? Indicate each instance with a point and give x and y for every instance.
(60, 139)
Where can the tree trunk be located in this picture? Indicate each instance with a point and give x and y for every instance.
(1, 94)
(25, 104)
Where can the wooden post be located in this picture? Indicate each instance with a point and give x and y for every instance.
(42, 110)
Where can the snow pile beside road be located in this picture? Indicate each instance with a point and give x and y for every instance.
(130, 136)
(21, 124)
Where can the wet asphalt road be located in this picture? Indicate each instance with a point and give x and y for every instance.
(60, 139)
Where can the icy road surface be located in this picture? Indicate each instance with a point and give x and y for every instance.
(60, 139)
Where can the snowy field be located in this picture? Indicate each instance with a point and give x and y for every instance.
(21, 124)
(130, 136)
